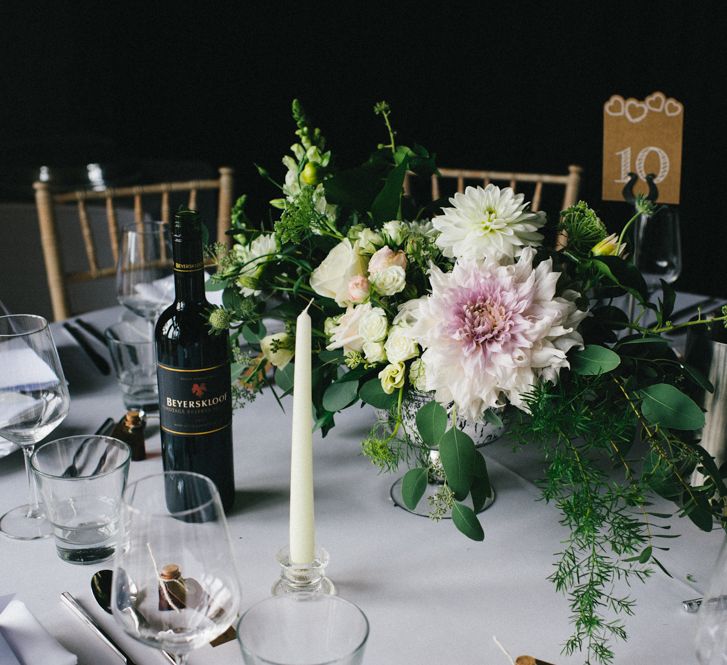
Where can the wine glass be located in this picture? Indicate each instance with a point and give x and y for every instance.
(174, 584)
(658, 247)
(34, 400)
(143, 273)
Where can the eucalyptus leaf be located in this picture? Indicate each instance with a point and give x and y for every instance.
(413, 486)
(254, 333)
(697, 377)
(697, 509)
(284, 377)
(372, 393)
(593, 360)
(664, 405)
(457, 454)
(339, 395)
(626, 275)
(481, 489)
(667, 301)
(466, 521)
(431, 422)
(231, 298)
(610, 316)
(215, 285)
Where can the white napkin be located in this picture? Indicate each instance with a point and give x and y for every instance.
(29, 641)
(161, 291)
(22, 361)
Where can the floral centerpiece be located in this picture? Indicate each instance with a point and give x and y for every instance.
(464, 301)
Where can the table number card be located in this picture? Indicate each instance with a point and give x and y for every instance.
(642, 137)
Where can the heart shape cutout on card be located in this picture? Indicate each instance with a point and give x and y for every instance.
(615, 105)
(656, 101)
(635, 110)
(673, 107)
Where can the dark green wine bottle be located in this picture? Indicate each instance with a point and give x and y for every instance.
(193, 372)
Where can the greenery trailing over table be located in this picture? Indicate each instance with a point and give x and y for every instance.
(463, 299)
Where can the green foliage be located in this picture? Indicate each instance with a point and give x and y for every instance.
(413, 486)
(339, 395)
(594, 359)
(667, 406)
(466, 521)
(457, 454)
(372, 393)
(582, 227)
(431, 420)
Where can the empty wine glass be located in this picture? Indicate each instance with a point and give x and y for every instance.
(174, 583)
(34, 400)
(658, 247)
(144, 283)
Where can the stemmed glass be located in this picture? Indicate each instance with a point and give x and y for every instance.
(174, 583)
(34, 400)
(144, 269)
(658, 247)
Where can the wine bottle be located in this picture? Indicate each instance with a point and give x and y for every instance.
(193, 373)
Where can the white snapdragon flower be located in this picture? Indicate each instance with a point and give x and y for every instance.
(253, 258)
(389, 281)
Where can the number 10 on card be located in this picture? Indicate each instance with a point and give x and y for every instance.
(642, 137)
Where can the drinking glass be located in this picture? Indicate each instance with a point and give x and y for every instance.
(711, 637)
(658, 247)
(303, 629)
(144, 283)
(133, 356)
(81, 479)
(34, 400)
(174, 583)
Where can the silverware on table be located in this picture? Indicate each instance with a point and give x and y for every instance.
(105, 429)
(91, 330)
(73, 605)
(692, 605)
(93, 355)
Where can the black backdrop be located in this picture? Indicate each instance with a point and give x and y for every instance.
(516, 85)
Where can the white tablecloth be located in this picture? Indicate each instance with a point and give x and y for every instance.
(431, 595)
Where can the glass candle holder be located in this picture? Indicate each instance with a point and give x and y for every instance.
(303, 578)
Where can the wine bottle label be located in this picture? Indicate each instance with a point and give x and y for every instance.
(194, 401)
(188, 267)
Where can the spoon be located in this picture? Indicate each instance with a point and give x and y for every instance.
(101, 588)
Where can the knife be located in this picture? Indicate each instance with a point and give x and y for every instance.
(91, 330)
(73, 605)
(97, 360)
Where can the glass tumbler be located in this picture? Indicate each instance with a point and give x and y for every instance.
(303, 629)
(81, 480)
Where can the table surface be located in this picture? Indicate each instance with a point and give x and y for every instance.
(431, 595)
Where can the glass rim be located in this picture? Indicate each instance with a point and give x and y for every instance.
(215, 495)
(311, 597)
(125, 462)
(36, 317)
(123, 342)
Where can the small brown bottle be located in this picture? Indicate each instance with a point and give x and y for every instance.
(172, 590)
(130, 429)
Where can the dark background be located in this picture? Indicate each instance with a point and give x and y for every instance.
(516, 85)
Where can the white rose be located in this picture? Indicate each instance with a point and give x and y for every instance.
(284, 351)
(373, 325)
(345, 333)
(408, 312)
(418, 375)
(400, 346)
(389, 281)
(392, 377)
(332, 277)
(369, 240)
(374, 352)
(395, 231)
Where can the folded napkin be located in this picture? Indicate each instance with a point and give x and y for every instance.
(28, 642)
(161, 291)
(20, 360)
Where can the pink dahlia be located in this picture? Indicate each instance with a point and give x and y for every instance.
(491, 331)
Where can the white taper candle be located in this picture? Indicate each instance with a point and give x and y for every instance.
(302, 523)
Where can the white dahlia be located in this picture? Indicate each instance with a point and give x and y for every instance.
(489, 222)
(490, 332)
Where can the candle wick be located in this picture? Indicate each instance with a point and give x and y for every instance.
(307, 307)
